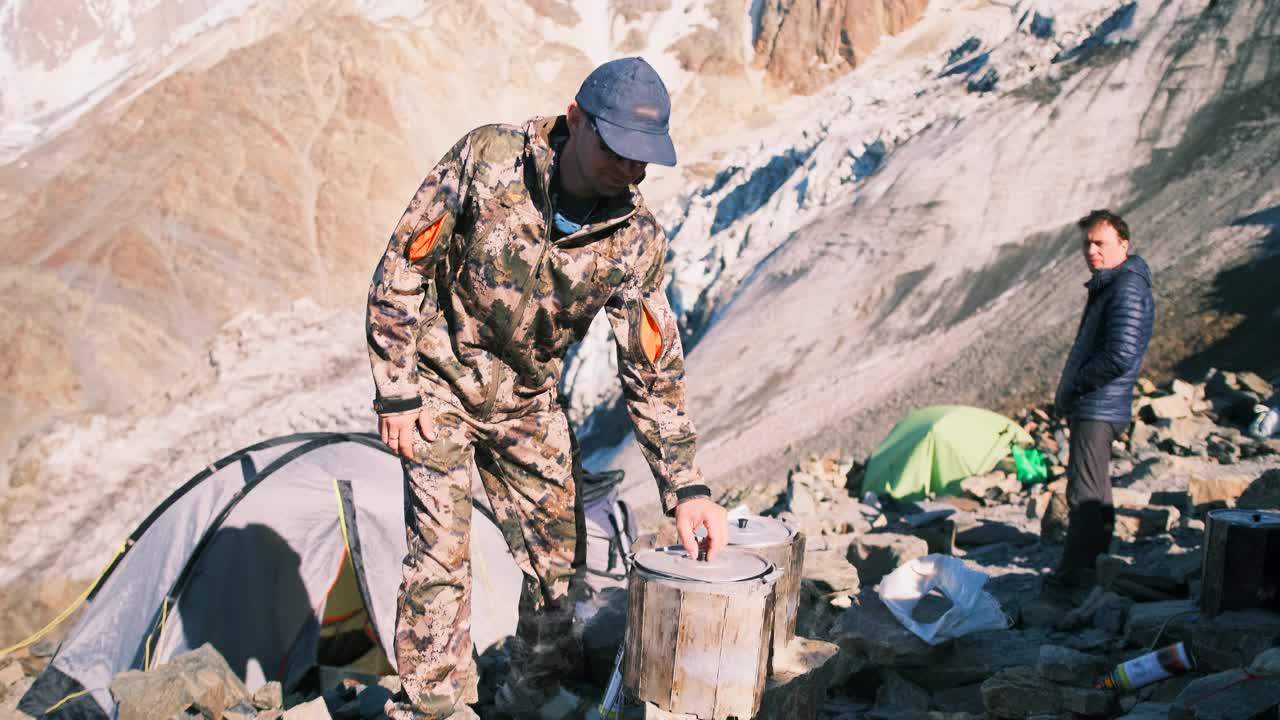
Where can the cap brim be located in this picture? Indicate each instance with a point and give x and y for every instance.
(637, 145)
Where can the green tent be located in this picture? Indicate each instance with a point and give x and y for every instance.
(931, 450)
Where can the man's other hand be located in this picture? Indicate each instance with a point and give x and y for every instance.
(397, 430)
(702, 513)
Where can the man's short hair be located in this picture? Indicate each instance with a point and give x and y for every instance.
(1098, 217)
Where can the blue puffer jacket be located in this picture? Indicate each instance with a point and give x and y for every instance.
(1097, 381)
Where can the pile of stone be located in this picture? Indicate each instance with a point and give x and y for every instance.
(1051, 435)
(200, 685)
(1186, 419)
(1203, 419)
(1185, 455)
(1046, 662)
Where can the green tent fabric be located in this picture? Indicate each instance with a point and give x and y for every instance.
(931, 450)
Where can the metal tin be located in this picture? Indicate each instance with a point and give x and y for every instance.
(1247, 518)
(1149, 668)
(755, 531)
(783, 545)
(729, 566)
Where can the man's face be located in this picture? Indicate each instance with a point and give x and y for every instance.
(1104, 248)
(603, 169)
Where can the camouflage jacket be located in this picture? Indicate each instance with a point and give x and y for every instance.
(474, 299)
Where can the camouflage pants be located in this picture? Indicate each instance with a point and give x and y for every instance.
(526, 467)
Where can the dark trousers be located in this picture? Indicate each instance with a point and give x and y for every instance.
(1089, 463)
(1092, 518)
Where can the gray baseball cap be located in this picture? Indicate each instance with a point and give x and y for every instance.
(632, 110)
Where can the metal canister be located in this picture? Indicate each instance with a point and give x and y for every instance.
(1241, 561)
(1146, 669)
(782, 545)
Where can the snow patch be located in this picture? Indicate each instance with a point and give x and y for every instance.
(381, 11)
(1117, 22)
(49, 92)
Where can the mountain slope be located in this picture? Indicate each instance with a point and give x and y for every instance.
(952, 274)
(192, 217)
(266, 150)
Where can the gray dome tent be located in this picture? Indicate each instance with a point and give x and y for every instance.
(265, 554)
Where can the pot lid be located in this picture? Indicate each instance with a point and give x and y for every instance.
(758, 531)
(1240, 516)
(731, 565)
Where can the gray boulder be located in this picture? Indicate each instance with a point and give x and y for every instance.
(1233, 639)
(1169, 407)
(879, 554)
(898, 693)
(1263, 493)
(975, 657)
(1070, 667)
(869, 630)
(797, 686)
(200, 677)
(314, 710)
(1020, 692)
(1231, 695)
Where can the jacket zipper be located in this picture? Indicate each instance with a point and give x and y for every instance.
(518, 316)
(491, 395)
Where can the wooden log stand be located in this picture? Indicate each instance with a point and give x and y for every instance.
(698, 633)
(1241, 561)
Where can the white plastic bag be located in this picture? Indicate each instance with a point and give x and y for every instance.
(973, 609)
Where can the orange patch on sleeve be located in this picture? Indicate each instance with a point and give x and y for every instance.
(424, 240)
(650, 337)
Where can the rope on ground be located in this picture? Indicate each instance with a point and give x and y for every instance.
(1165, 624)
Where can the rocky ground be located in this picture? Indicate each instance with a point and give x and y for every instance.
(1185, 454)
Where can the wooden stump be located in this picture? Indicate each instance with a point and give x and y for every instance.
(1241, 561)
(698, 647)
(796, 691)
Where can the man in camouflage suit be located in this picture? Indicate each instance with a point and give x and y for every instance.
(511, 246)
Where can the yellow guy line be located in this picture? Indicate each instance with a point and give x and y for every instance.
(70, 608)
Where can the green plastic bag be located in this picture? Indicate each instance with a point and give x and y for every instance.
(1031, 465)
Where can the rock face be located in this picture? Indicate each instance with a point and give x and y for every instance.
(297, 155)
(802, 45)
(253, 210)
